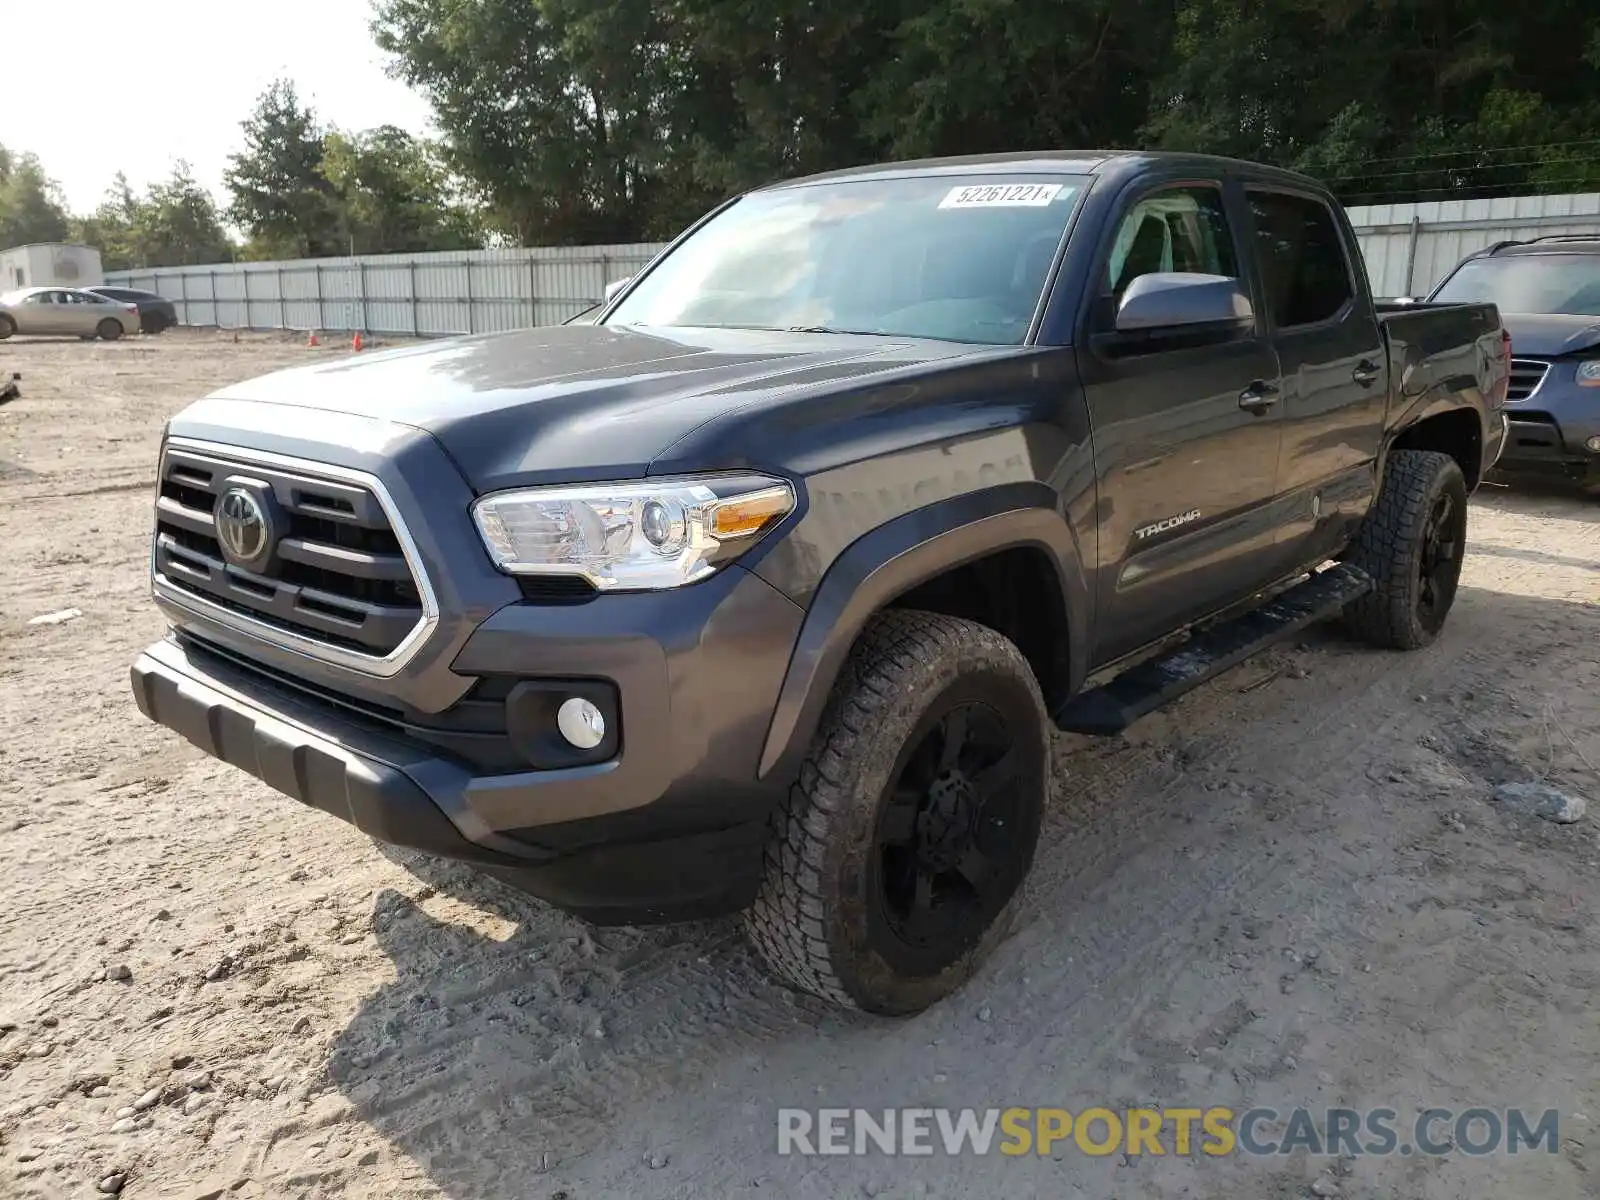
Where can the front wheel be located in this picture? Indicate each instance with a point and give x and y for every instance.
(892, 866)
(109, 329)
(1412, 543)
(7, 327)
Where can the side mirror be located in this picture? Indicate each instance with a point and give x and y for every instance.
(1180, 300)
(615, 286)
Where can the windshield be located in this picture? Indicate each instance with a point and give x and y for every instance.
(960, 258)
(1529, 283)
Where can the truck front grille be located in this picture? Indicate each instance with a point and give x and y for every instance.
(1526, 376)
(336, 574)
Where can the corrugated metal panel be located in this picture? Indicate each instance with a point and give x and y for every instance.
(1408, 248)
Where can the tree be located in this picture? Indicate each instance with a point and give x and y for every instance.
(557, 110)
(279, 193)
(176, 224)
(110, 227)
(1392, 100)
(393, 194)
(31, 208)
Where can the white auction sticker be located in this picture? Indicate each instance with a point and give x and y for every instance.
(1001, 195)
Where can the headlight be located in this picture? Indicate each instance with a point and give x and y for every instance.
(1589, 373)
(656, 533)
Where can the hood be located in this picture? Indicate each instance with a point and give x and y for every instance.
(570, 403)
(1547, 335)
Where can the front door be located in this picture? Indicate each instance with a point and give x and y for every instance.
(1333, 360)
(43, 312)
(1186, 435)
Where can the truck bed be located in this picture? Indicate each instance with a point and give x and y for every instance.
(1430, 344)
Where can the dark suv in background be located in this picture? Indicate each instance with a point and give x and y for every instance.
(1548, 293)
(156, 313)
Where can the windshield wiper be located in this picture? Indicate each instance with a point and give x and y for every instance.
(831, 329)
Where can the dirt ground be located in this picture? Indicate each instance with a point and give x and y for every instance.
(1290, 888)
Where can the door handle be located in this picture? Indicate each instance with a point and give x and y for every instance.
(1365, 373)
(1259, 396)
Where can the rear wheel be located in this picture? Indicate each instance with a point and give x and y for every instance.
(7, 326)
(1412, 543)
(893, 865)
(109, 329)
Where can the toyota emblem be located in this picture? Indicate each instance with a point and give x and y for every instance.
(242, 528)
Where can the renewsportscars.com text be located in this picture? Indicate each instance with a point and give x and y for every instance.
(1215, 1132)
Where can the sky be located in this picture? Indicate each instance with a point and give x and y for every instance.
(193, 69)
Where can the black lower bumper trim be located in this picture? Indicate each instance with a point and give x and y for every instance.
(628, 869)
(361, 777)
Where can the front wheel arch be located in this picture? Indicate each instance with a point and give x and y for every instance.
(883, 568)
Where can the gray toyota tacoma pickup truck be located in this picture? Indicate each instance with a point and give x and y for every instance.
(764, 589)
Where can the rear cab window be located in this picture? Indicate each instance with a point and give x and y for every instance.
(1305, 277)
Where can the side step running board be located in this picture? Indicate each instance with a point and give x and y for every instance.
(1140, 690)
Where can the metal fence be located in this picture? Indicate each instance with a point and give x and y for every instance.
(423, 295)
(1407, 247)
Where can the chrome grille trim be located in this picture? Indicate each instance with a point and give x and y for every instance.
(276, 635)
(1527, 377)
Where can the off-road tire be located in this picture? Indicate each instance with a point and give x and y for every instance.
(7, 327)
(1389, 546)
(109, 329)
(812, 921)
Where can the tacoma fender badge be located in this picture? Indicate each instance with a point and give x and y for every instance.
(1149, 531)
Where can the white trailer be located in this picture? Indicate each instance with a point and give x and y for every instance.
(64, 263)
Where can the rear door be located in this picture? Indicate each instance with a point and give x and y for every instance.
(1187, 459)
(1335, 389)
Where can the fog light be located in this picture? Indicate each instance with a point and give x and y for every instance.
(1593, 444)
(581, 723)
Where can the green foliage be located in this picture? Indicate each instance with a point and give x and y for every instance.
(583, 121)
(175, 223)
(31, 208)
(590, 120)
(392, 194)
(279, 195)
(301, 190)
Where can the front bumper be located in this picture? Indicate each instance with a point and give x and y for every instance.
(671, 826)
(1548, 433)
(395, 791)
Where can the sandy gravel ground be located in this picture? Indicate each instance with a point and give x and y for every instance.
(1290, 888)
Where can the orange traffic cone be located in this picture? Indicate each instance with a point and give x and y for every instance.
(355, 342)
(312, 340)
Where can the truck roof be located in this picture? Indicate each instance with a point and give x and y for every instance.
(1046, 162)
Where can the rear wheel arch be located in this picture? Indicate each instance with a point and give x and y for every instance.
(1005, 558)
(1457, 432)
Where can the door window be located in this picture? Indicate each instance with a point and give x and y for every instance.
(1304, 276)
(1176, 229)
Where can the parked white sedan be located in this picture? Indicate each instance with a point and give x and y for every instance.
(66, 311)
